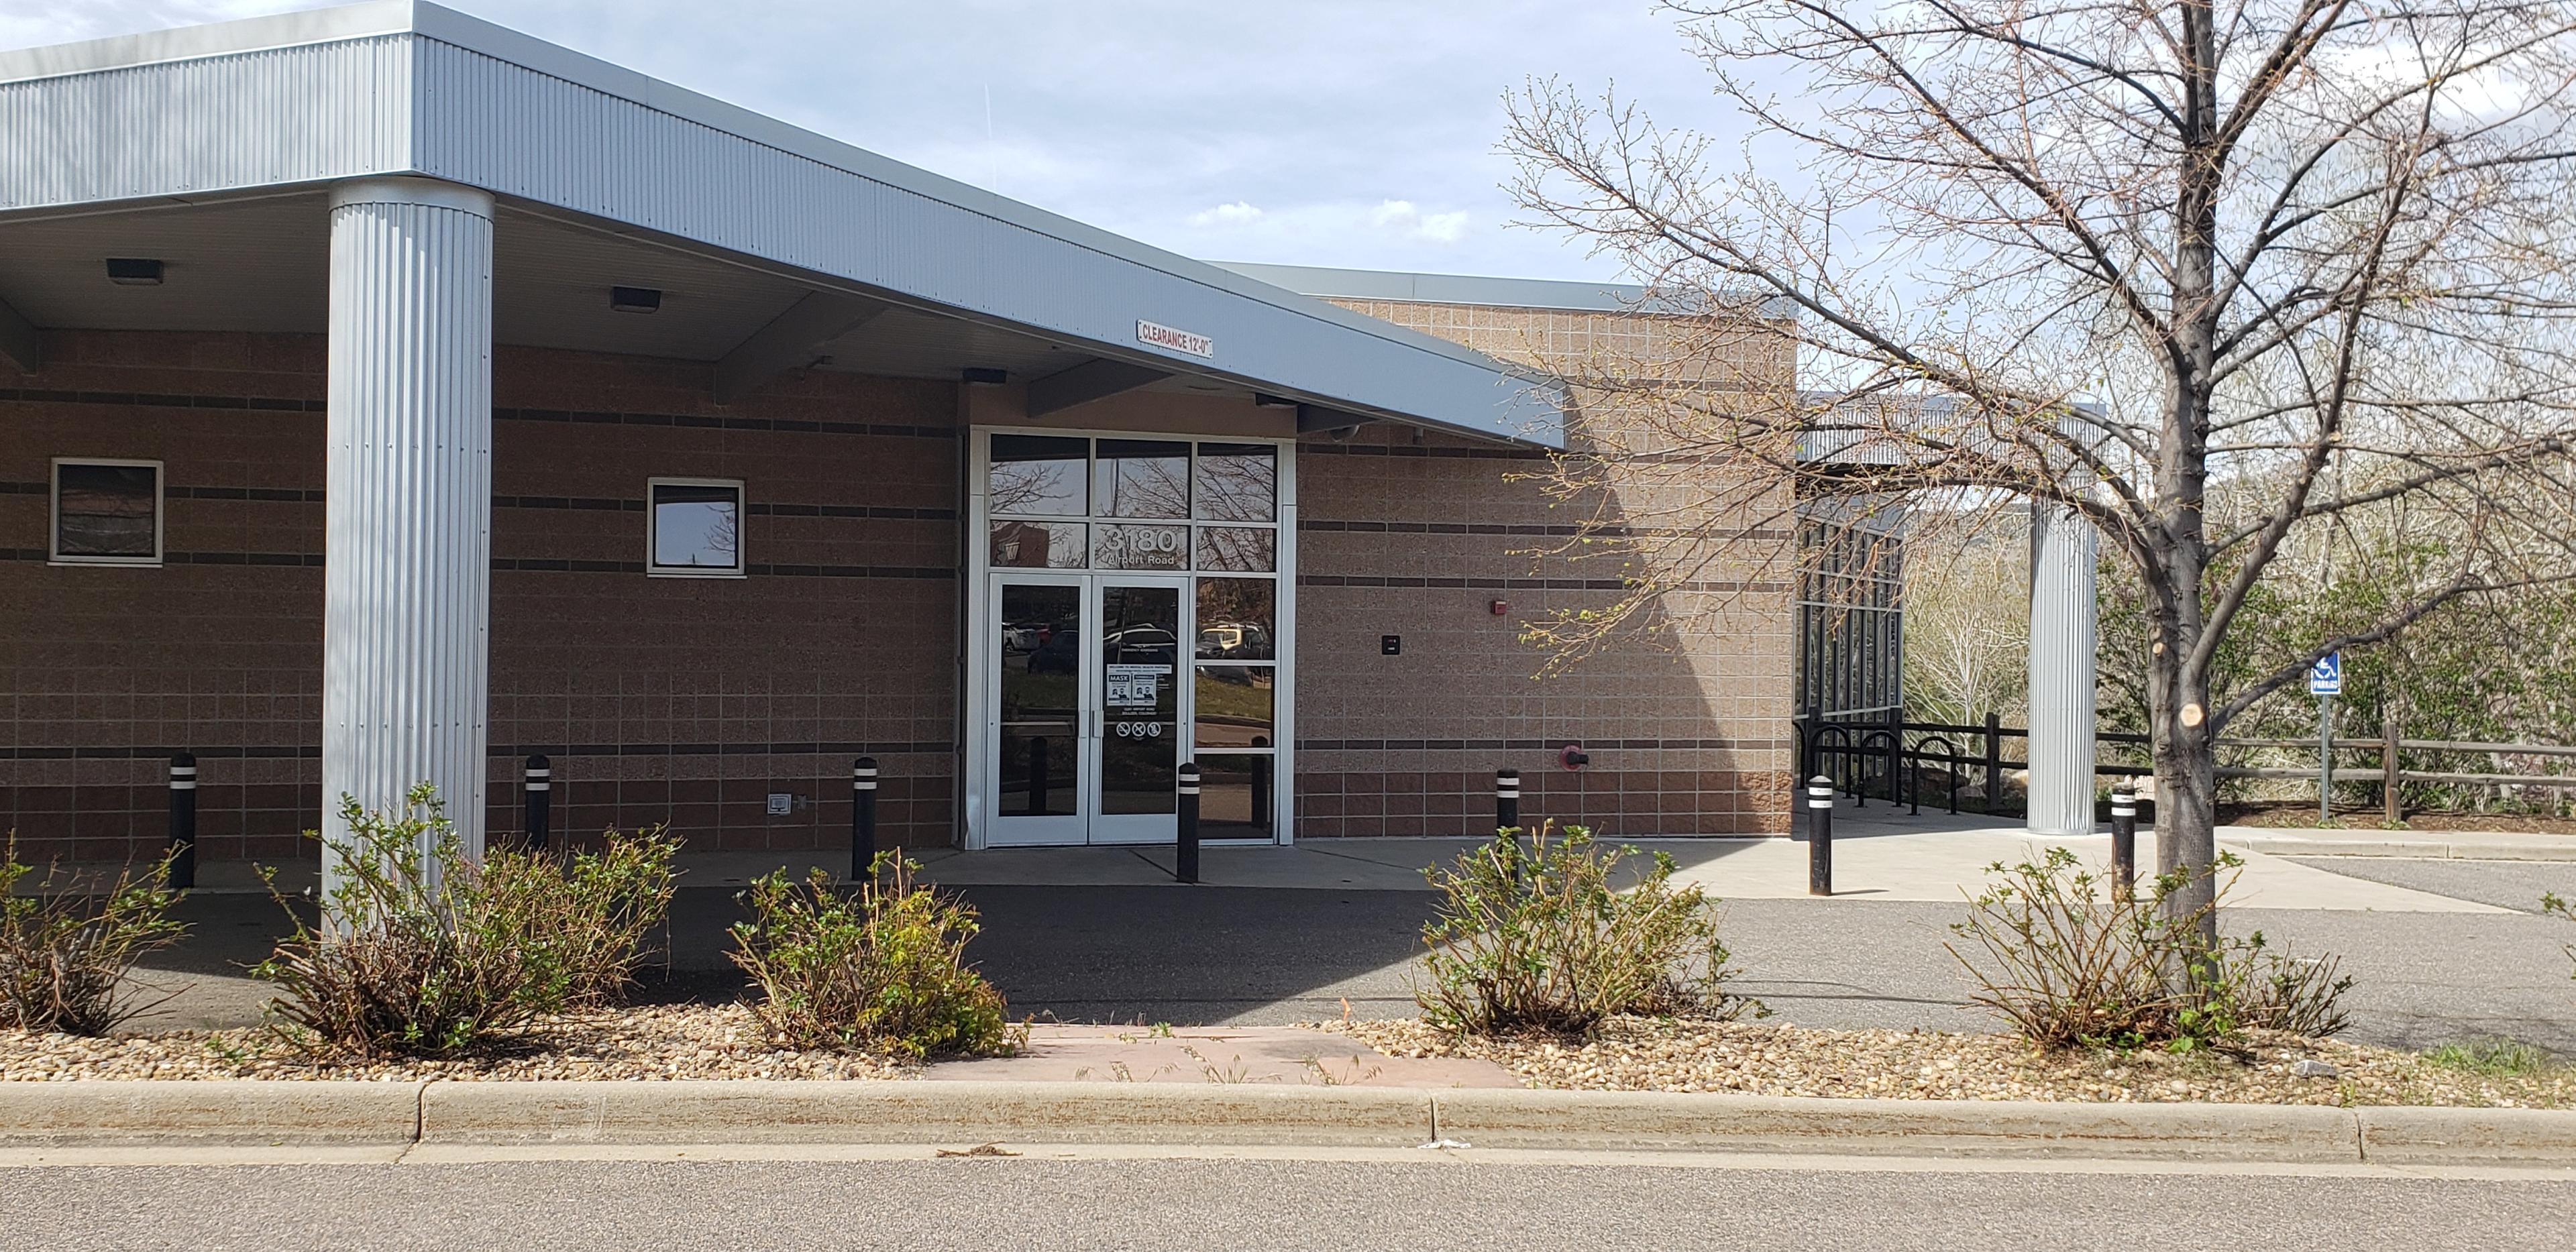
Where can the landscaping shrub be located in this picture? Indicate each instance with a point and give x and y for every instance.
(583, 917)
(2072, 962)
(1531, 936)
(64, 954)
(880, 967)
(420, 952)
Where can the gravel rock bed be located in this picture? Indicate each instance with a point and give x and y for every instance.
(1641, 1054)
(633, 1044)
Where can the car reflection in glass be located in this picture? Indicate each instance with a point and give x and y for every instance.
(1059, 652)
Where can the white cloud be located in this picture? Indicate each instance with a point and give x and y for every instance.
(1237, 213)
(1406, 221)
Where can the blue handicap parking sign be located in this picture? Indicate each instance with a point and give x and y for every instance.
(2325, 678)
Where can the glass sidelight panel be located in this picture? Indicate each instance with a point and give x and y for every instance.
(1040, 474)
(1141, 478)
(1236, 617)
(1238, 482)
(1235, 797)
(1234, 706)
(1140, 741)
(1041, 698)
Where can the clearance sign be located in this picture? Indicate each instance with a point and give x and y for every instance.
(1160, 336)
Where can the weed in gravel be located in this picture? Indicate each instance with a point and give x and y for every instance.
(880, 967)
(421, 952)
(1532, 936)
(2498, 1057)
(65, 952)
(2072, 962)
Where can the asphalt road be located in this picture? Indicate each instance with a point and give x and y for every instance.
(1259, 956)
(1194, 1205)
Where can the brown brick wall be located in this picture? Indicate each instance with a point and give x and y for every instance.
(679, 700)
(689, 701)
(1685, 718)
(1685, 724)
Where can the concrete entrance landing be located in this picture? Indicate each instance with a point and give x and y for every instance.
(1878, 855)
(1260, 1055)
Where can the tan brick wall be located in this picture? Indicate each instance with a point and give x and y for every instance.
(659, 699)
(1685, 718)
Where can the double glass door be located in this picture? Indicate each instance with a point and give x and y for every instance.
(1090, 711)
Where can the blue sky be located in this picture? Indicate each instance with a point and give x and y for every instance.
(1319, 132)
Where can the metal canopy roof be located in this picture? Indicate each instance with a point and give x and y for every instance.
(242, 110)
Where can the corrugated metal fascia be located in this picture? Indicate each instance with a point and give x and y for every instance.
(261, 119)
(187, 43)
(521, 132)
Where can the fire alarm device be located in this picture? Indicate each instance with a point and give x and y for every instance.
(1501, 608)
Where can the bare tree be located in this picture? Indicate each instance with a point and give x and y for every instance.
(2208, 275)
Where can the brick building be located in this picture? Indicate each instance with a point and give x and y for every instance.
(386, 396)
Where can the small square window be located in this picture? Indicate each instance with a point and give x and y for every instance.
(107, 512)
(696, 528)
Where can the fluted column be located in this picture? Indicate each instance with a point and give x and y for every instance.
(2062, 574)
(407, 564)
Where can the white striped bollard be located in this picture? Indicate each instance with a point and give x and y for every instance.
(541, 795)
(183, 821)
(863, 818)
(1507, 799)
(1820, 836)
(2124, 839)
(1186, 861)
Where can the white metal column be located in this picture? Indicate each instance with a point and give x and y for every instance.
(2062, 573)
(407, 552)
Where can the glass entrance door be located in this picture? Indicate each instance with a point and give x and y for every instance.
(1041, 722)
(1141, 731)
(1090, 716)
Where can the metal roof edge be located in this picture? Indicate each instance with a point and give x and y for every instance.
(1418, 287)
(1428, 288)
(366, 20)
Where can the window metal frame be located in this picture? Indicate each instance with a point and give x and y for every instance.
(741, 526)
(54, 554)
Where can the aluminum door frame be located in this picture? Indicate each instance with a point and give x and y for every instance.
(1071, 830)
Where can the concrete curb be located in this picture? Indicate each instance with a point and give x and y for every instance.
(920, 1112)
(1997, 1128)
(2438, 1136)
(2466, 846)
(346, 1113)
(965, 1113)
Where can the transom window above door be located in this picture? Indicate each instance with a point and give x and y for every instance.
(1172, 505)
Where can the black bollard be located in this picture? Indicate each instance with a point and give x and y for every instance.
(1261, 796)
(863, 818)
(1037, 776)
(1187, 860)
(2124, 840)
(183, 821)
(1507, 799)
(541, 793)
(1820, 836)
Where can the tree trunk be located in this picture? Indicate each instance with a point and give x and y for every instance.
(2186, 783)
